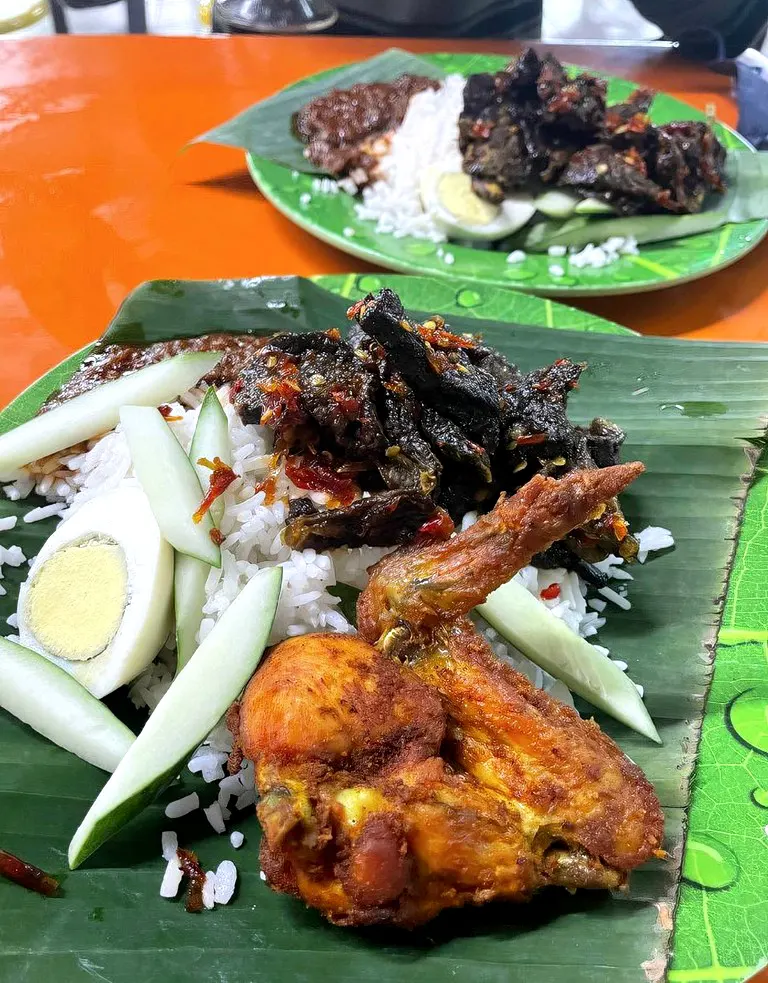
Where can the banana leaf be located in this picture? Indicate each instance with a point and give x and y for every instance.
(692, 412)
(265, 128)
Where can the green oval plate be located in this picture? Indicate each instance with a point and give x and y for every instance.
(666, 264)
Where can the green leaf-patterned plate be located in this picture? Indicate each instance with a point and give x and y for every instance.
(689, 409)
(332, 218)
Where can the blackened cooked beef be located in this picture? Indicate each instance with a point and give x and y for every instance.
(559, 555)
(578, 106)
(604, 441)
(535, 425)
(618, 177)
(408, 461)
(436, 418)
(268, 392)
(549, 76)
(626, 124)
(298, 507)
(340, 395)
(385, 518)
(530, 124)
(109, 362)
(446, 381)
(505, 374)
(347, 130)
(690, 160)
(452, 445)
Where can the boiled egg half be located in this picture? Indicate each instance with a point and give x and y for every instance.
(451, 203)
(97, 600)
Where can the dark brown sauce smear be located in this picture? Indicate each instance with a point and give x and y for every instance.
(191, 869)
(110, 362)
(27, 875)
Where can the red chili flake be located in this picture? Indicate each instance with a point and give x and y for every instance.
(166, 412)
(217, 536)
(311, 475)
(281, 392)
(436, 334)
(481, 129)
(221, 478)
(269, 487)
(334, 334)
(236, 386)
(191, 868)
(27, 875)
(440, 526)
(346, 403)
(531, 438)
(550, 593)
(355, 309)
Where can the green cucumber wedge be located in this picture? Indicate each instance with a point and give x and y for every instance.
(97, 411)
(54, 704)
(189, 577)
(593, 206)
(527, 624)
(197, 699)
(556, 204)
(169, 482)
(211, 440)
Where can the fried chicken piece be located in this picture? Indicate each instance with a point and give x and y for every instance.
(393, 788)
(417, 588)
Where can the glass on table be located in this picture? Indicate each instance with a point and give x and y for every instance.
(273, 16)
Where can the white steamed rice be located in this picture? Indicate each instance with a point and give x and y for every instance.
(429, 135)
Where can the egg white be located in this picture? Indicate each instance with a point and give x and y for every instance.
(124, 516)
(511, 215)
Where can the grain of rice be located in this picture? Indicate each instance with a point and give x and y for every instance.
(215, 817)
(209, 889)
(8, 522)
(182, 807)
(225, 882)
(616, 598)
(170, 844)
(516, 256)
(171, 882)
(44, 512)
(237, 839)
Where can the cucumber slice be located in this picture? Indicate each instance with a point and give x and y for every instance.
(593, 206)
(526, 623)
(556, 204)
(189, 577)
(198, 698)
(211, 440)
(97, 411)
(55, 705)
(169, 482)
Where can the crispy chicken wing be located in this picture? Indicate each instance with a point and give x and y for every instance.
(422, 773)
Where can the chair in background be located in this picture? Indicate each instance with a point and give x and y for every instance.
(137, 15)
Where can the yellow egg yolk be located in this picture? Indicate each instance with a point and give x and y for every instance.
(456, 194)
(76, 602)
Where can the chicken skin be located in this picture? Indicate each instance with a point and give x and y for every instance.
(408, 770)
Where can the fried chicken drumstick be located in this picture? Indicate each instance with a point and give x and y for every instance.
(409, 770)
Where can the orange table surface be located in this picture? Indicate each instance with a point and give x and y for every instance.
(98, 196)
